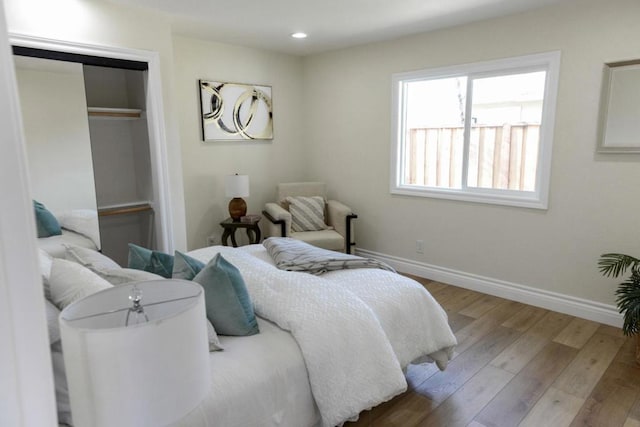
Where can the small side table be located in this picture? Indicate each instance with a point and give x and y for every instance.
(230, 226)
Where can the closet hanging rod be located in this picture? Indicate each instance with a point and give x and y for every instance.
(124, 209)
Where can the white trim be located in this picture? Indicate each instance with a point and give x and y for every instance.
(579, 307)
(538, 199)
(26, 378)
(155, 120)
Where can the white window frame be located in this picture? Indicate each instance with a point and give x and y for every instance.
(538, 199)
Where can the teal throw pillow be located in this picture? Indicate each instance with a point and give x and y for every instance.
(227, 300)
(152, 261)
(186, 267)
(46, 223)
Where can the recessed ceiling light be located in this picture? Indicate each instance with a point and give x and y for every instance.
(299, 35)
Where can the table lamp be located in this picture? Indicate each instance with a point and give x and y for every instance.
(237, 186)
(149, 372)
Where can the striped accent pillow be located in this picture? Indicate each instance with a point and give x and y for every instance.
(307, 213)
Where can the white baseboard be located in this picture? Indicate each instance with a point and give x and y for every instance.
(579, 307)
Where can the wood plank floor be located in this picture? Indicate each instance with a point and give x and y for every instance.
(518, 365)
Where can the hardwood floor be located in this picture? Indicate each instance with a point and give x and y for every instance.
(518, 365)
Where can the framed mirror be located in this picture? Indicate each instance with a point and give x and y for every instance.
(620, 108)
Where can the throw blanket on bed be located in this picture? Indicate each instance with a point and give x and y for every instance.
(295, 255)
(357, 329)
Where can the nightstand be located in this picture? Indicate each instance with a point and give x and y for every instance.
(230, 226)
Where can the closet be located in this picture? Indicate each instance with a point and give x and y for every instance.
(119, 160)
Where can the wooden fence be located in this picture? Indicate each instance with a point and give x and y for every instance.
(500, 157)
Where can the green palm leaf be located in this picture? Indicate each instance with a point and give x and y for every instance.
(613, 265)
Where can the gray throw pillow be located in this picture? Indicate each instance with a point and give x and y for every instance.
(307, 213)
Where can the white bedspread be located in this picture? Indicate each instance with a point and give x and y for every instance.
(257, 381)
(357, 329)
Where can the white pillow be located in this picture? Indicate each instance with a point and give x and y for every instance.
(307, 213)
(52, 313)
(89, 258)
(70, 282)
(45, 263)
(119, 276)
(83, 221)
(214, 341)
(62, 389)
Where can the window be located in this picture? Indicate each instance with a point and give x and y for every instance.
(501, 154)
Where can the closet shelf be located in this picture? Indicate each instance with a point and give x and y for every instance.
(114, 113)
(124, 208)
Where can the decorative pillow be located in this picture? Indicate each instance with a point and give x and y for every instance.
(70, 282)
(186, 267)
(120, 276)
(227, 301)
(212, 336)
(89, 258)
(83, 221)
(46, 222)
(52, 313)
(60, 381)
(307, 213)
(152, 261)
(45, 260)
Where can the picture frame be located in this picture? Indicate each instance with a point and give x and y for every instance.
(619, 121)
(235, 111)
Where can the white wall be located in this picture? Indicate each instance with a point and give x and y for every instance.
(205, 164)
(26, 379)
(54, 113)
(594, 201)
(106, 24)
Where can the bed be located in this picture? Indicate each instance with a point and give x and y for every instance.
(347, 361)
(329, 346)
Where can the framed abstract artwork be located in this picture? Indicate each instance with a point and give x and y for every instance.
(235, 111)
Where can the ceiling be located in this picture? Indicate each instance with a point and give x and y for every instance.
(330, 24)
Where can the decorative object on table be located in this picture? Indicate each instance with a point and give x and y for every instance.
(234, 111)
(237, 187)
(148, 373)
(250, 218)
(628, 292)
(230, 226)
(620, 108)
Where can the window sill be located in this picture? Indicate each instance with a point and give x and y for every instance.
(519, 199)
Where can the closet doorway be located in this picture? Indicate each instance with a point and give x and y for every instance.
(125, 152)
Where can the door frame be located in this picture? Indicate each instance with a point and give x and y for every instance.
(155, 120)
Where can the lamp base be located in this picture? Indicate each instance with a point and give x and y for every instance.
(237, 208)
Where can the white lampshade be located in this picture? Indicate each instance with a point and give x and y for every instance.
(236, 185)
(146, 374)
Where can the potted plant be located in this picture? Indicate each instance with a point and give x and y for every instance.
(628, 292)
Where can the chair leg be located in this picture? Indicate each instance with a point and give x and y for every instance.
(348, 243)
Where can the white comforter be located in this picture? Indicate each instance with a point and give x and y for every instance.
(357, 329)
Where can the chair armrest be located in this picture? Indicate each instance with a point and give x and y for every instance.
(339, 216)
(279, 221)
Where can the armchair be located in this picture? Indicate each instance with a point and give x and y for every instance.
(338, 234)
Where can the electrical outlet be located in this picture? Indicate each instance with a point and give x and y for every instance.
(212, 240)
(420, 246)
